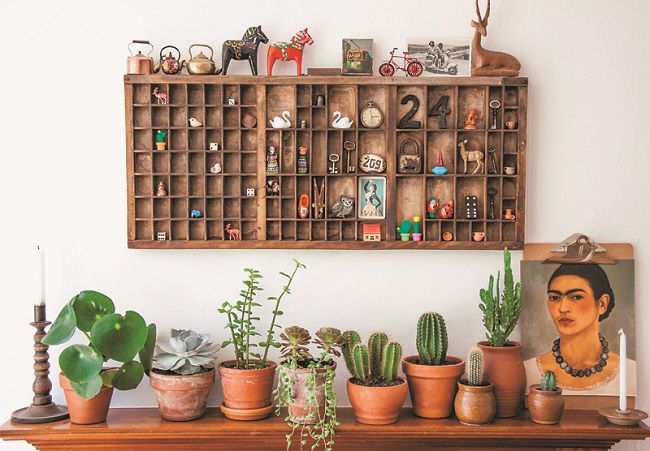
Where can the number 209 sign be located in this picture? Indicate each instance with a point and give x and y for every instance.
(372, 164)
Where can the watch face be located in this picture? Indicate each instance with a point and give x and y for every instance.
(371, 117)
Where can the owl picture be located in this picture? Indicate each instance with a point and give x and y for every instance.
(343, 207)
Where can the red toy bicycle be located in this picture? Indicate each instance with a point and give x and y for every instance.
(411, 66)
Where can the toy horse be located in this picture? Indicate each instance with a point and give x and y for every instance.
(244, 49)
(287, 51)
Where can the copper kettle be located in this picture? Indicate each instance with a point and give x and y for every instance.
(169, 63)
(201, 64)
(139, 64)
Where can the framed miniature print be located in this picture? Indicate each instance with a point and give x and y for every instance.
(372, 197)
(357, 57)
(571, 315)
(442, 56)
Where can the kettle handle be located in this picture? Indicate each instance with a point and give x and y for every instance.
(170, 47)
(201, 45)
(138, 41)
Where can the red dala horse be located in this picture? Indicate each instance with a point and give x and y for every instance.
(289, 51)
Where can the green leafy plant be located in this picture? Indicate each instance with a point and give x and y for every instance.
(548, 381)
(375, 364)
(161, 136)
(242, 320)
(431, 339)
(185, 353)
(501, 310)
(321, 397)
(474, 371)
(111, 336)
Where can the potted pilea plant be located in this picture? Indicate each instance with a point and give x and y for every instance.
(182, 374)
(306, 385)
(503, 364)
(432, 374)
(247, 381)
(86, 382)
(475, 403)
(161, 139)
(545, 402)
(375, 391)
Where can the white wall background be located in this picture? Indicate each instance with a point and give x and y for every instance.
(62, 179)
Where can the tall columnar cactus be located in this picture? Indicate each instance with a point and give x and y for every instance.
(431, 339)
(361, 363)
(350, 340)
(376, 344)
(549, 381)
(501, 310)
(475, 367)
(390, 361)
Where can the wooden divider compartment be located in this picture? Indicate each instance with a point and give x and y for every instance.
(236, 197)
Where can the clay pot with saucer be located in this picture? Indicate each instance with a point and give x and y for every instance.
(246, 393)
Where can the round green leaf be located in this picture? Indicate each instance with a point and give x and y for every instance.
(80, 363)
(107, 376)
(88, 390)
(91, 306)
(64, 326)
(128, 376)
(146, 353)
(119, 337)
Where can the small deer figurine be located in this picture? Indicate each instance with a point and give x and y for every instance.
(471, 155)
(233, 234)
(161, 96)
(488, 62)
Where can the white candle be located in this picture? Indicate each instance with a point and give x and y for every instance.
(622, 372)
(40, 299)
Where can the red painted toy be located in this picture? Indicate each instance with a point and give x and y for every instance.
(410, 65)
(288, 51)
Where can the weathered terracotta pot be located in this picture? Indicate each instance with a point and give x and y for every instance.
(475, 405)
(432, 387)
(300, 411)
(86, 411)
(377, 405)
(504, 367)
(182, 398)
(545, 407)
(247, 390)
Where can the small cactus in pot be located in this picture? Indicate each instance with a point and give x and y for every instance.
(545, 402)
(475, 402)
(161, 139)
(431, 339)
(548, 381)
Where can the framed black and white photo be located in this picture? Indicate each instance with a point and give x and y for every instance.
(442, 56)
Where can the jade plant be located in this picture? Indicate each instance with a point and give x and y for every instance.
(242, 320)
(111, 336)
(375, 364)
(475, 376)
(501, 310)
(185, 353)
(548, 381)
(431, 339)
(320, 397)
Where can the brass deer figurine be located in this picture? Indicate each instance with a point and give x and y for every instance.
(488, 62)
(471, 155)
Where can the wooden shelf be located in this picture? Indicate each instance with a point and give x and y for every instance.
(143, 429)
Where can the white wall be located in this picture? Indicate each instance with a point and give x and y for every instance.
(63, 169)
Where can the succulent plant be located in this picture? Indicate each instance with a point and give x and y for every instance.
(294, 343)
(475, 367)
(390, 361)
(376, 344)
(501, 310)
(186, 353)
(350, 340)
(375, 363)
(548, 382)
(431, 339)
(329, 339)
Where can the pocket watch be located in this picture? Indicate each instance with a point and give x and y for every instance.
(371, 116)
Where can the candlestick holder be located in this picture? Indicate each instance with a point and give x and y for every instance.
(630, 417)
(42, 409)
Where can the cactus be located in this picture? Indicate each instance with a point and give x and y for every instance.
(161, 135)
(360, 362)
(405, 227)
(376, 344)
(475, 367)
(390, 361)
(501, 310)
(350, 340)
(548, 382)
(431, 339)
(416, 224)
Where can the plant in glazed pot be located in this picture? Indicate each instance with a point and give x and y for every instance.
(503, 364)
(87, 384)
(545, 402)
(182, 374)
(247, 381)
(432, 374)
(306, 385)
(475, 403)
(375, 391)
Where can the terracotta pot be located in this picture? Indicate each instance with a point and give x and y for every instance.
(246, 389)
(432, 387)
(86, 411)
(300, 411)
(505, 369)
(182, 398)
(161, 145)
(475, 405)
(377, 405)
(545, 407)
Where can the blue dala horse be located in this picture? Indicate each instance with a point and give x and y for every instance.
(246, 48)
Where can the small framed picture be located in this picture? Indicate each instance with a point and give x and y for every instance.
(372, 197)
(442, 56)
(357, 57)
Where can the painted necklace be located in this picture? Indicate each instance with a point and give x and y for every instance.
(597, 368)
